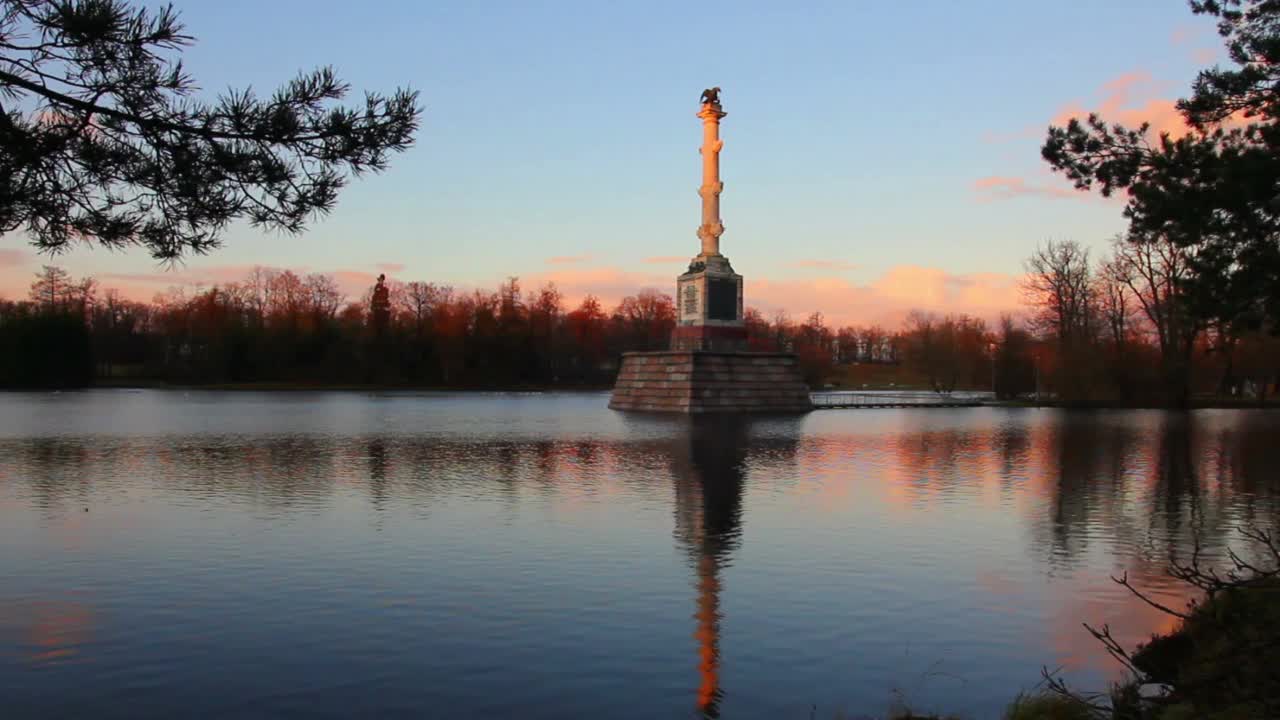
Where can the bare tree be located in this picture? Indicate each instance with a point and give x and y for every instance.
(50, 289)
(418, 302)
(323, 296)
(1115, 302)
(1154, 268)
(1059, 284)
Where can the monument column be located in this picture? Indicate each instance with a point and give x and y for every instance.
(709, 293)
(709, 367)
(712, 228)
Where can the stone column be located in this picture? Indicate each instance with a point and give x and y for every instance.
(711, 227)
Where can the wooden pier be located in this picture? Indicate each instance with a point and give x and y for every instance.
(836, 400)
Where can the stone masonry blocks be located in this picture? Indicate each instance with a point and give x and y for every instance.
(698, 381)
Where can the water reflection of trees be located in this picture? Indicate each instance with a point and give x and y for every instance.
(1083, 468)
(1150, 486)
(1118, 481)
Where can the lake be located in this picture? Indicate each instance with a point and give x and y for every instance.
(259, 555)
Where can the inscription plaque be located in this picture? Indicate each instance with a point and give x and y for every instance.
(690, 299)
(722, 299)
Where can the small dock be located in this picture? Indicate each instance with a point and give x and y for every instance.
(837, 400)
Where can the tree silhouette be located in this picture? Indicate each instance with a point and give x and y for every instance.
(1212, 192)
(102, 140)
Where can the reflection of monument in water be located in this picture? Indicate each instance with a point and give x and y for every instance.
(708, 473)
(708, 368)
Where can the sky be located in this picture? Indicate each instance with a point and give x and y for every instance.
(878, 156)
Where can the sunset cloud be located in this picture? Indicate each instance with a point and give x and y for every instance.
(886, 300)
(1204, 56)
(390, 267)
(997, 187)
(1130, 99)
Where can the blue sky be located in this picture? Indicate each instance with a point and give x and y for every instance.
(855, 136)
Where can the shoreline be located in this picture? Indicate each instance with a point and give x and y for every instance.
(287, 386)
(1207, 403)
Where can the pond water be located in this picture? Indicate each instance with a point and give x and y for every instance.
(171, 554)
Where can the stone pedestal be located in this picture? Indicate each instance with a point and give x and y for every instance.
(700, 381)
(709, 307)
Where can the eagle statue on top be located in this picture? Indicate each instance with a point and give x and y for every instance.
(711, 96)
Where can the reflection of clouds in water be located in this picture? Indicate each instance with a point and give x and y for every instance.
(1096, 600)
(47, 632)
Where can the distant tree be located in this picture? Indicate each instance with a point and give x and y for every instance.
(323, 297)
(51, 289)
(783, 331)
(1118, 323)
(1015, 364)
(847, 342)
(645, 320)
(101, 139)
(1059, 284)
(587, 325)
(951, 351)
(759, 334)
(815, 350)
(1155, 269)
(1115, 302)
(546, 319)
(418, 302)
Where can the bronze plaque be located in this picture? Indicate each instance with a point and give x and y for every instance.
(722, 299)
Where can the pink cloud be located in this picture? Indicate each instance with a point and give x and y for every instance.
(1204, 56)
(390, 267)
(886, 300)
(10, 257)
(353, 283)
(1130, 99)
(568, 259)
(607, 283)
(997, 187)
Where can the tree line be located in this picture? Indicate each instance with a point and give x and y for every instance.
(280, 326)
(1120, 330)
(1096, 332)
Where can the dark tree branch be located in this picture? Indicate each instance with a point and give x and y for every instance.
(115, 151)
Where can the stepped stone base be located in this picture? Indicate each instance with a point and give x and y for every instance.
(699, 381)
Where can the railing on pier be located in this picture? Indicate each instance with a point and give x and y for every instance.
(831, 400)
